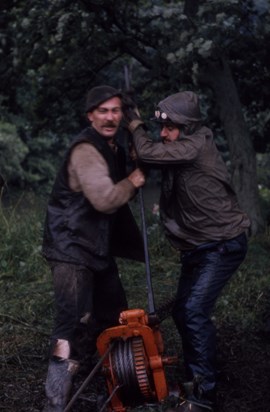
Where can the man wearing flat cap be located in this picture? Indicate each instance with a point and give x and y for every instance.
(88, 223)
(201, 218)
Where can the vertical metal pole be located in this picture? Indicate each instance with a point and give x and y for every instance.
(151, 303)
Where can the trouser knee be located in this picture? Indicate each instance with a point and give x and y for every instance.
(60, 349)
(81, 344)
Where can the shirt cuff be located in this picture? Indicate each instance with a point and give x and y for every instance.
(134, 124)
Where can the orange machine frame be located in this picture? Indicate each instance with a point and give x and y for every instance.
(134, 323)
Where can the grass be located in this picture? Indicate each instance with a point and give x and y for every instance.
(26, 294)
(26, 290)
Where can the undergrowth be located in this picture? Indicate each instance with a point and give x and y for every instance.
(26, 290)
(26, 294)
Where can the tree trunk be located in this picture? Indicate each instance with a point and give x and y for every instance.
(242, 155)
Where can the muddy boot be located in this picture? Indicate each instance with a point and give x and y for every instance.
(58, 384)
(195, 399)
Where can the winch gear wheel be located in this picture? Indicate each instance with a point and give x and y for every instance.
(131, 371)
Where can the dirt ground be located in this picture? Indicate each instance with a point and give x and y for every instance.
(243, 366)
(244, 377)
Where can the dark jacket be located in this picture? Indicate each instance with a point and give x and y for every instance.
(75, 231)
(197, 203)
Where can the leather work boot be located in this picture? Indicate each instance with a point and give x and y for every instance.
(58, 384)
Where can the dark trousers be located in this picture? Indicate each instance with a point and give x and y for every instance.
(205, 271)
(86, 302)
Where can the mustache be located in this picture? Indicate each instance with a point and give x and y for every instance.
(109, 124)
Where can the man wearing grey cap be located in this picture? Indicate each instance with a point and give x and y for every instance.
(201, 218)
(88, 222)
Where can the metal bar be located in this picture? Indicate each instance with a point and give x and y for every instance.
(88, 379)
(110, 397)
(151, 303)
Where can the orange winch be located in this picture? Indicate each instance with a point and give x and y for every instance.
(132, 353)
(135, 364)
(134, 367)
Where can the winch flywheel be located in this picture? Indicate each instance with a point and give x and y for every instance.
(134, 368)
(131, 370)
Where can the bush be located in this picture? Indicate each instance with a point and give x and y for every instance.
(13, 151)
(29, 162)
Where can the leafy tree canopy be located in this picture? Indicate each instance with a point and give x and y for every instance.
(52, 52)
(55, 51)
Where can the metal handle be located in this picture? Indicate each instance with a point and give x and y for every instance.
(150, 294)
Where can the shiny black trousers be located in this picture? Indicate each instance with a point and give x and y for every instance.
(205, 271)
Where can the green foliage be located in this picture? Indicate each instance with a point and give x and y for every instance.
(13, 152)
(263, 167)
(30, 163)
(51, 55)
(49, 66)
(46, 152)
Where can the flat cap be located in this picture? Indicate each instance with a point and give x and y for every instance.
(98, 95)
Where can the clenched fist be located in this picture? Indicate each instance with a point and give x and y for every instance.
(137, 178)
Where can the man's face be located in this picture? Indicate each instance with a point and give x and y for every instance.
(169, 133)
(106, 117)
